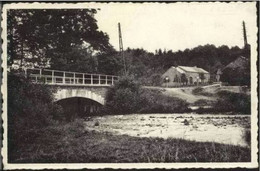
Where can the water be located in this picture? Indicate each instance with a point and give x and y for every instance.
(226, 129)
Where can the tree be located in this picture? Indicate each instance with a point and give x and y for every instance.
(202, 77)
(61, 36)
(110, 64)
(184, 79)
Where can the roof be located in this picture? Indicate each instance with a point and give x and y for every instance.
(170, 71)
(240, 62)
(192, 69)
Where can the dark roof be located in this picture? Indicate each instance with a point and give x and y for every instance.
(240, 62)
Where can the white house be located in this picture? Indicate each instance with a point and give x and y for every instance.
(185, 75)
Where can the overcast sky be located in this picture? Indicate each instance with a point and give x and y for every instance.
(177, 26)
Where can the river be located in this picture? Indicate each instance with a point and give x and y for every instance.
(226, 129)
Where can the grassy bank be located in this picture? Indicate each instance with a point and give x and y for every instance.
(69, 142)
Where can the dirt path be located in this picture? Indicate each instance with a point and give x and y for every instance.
(184, 93)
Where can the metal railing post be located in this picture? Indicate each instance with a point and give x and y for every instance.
(106, 79)
(40, 74)
(112, 80)
(63, 79)
(83, 81)
(99, 79)
(52, 78)
(74, 78)
(91, 79)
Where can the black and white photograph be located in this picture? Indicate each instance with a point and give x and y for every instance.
(129, 85)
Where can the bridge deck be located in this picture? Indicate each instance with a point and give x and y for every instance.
(55, 77)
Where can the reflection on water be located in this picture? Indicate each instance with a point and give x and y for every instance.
(227, 129)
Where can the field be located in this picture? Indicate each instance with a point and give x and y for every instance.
(84, 141)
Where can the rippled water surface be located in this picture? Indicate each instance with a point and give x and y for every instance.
(227, 129)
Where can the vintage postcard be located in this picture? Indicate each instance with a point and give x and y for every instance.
(129, 85)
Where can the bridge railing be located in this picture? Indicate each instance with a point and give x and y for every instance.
(69, 78)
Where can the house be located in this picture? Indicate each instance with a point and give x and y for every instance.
(237, 72)
(241, 62)
(185, 75)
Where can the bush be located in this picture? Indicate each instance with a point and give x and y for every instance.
(202, 102)
(247, 136)
(233, 102)
(197, 90)
(30, 107)
(200, 91)
(123, 97)
(128, 97)
(153, 101)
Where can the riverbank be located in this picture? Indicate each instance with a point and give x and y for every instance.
(72, 143)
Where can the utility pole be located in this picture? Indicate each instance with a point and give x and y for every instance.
(246, 50)
(244, 33)
(121, 46)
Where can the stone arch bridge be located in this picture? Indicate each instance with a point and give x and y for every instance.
(74, 84)
(96, 94)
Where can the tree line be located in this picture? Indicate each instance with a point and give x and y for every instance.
(70, 40)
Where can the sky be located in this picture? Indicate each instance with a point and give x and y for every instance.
(177, 26)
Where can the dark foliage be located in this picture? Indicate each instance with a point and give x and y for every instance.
(200, 91)
(144, 65)
(233, 102)
(197, 90)
(153, 101)
(30, 107)
(110, 63)
(124, 96)
(128, 97)
(203, 102)
(237, 76)
(65, 37)
(247, 136)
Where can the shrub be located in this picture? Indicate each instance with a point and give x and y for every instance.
(233, 102)
(200, 91)
(202, 102)
(247, 136)
(153, 101)
(123, 97)
(156, 80)
(30, 107)
(197, 90)
(128, 97)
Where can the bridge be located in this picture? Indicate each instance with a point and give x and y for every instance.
(74, 84)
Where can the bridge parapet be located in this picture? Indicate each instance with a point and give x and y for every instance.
(55, 77)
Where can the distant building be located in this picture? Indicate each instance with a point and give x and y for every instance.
(237, 72)
(184, 75)
(240, 63)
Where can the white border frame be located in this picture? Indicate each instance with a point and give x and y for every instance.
(254, 99)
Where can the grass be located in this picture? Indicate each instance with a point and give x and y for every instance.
(70, 143)
(247, 136)
(201, 91)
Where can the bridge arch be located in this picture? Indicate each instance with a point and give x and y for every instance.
(69, 93)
